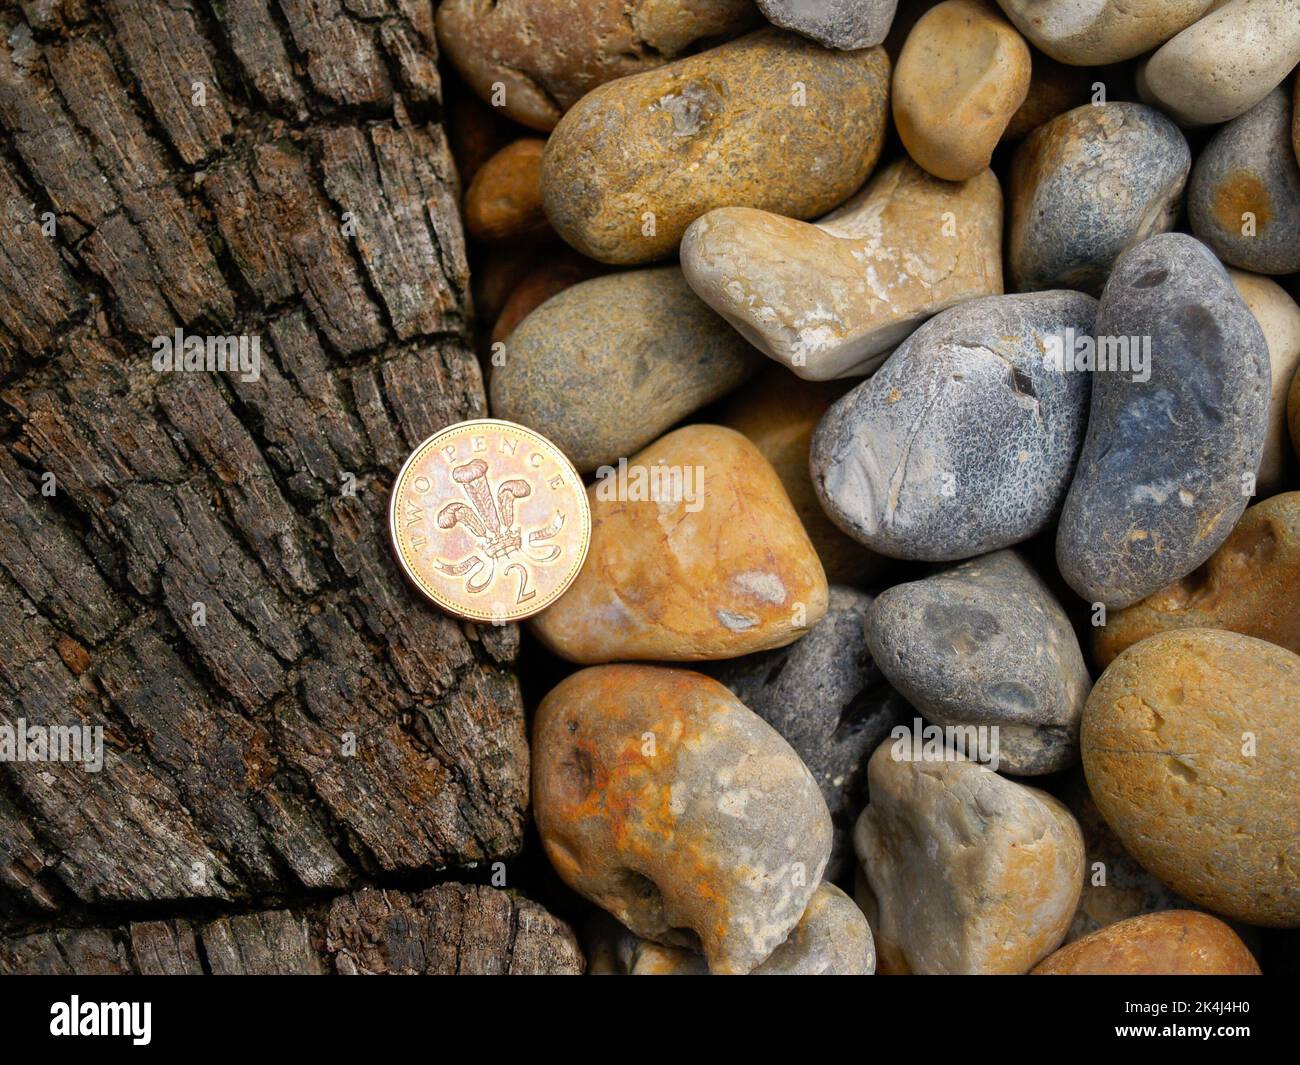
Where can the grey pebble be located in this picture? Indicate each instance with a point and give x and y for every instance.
(1085, 186)
(842, 24)
(1168, 463)
(965, 440)
(830, 702)
(1250, 168)
(987, 644)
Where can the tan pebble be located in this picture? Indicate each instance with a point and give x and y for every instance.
(1189, 746)
(504, 201)
(1101, 31)
(1279, 316)
(1172, 943)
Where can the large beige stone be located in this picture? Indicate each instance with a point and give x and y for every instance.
(1173, 943)
(770, 121)
(1249, 585)
(1084, 32)
(534, 59)
(968, 872)
(779, 413)
(831, 299)
(716, 566)
(1224, 64)
(963, 74)
(1189, 746)
(1279, 316)
(663, 799)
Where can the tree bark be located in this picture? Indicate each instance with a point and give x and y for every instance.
(198, 562)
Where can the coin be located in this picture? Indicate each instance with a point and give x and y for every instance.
(490, 520)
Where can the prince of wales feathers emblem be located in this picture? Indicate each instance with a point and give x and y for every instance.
(492, 521)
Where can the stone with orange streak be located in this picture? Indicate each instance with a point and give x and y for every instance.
(667, 802)
(966, 871)
(1244, 196)
(831, 939)
(1189, 746)
(504, 201)
(1250, 585)
(1172, 943)
(717, 566)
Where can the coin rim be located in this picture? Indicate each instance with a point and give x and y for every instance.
(432, 595)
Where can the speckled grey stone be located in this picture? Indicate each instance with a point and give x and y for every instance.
(965, 439)
(831, 939)
(986, 643)
(606, 366)
(1250, 167)
(843, 24)
(830, 702)
(1165, 469)
(1087, 185)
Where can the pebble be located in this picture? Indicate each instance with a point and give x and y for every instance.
(1173, 943)
(1188, 743)
(1249, 585)
(607, 365)
(843, 24)
(830, 299)
(662, 799)
(987, 644)
(1244, 197)
(770, 121)
(1224, 64)
(968, 872)
(962, 75)
(965, 440)
(1293, 411)
(718, 566)
(1101, 31)
(829, 699)
(1278, 316)
(1088, 185)
(504, 201)
(534, 59)
(778, 413)
(1168, 461)
(832, 938)
(563, 268)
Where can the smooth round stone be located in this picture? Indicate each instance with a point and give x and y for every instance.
(717, 569)
(661, 798)
(1293, 411)
(963, 73)
(843, 24)
(1173, 943)
(1278, 316)
(779, 413)
(1249, 585)
(1088, 185)
(965, 440)
(830, 299)
(536, 58)
(832, 938)
(1086, 32)
(504, 201)
(607, 365)
(1188, 742)
(770, 121)
(827, 697)
(1224, 64)
(987, 644)
(1167, 462)
(561, 268)
(1244, 197)
(1115, 886)
(968, 872)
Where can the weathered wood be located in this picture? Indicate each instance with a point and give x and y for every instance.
(447, 930)
(197, 562)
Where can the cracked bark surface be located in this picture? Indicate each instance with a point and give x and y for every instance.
(276, 170)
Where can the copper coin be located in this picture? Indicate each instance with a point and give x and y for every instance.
(490, 520)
